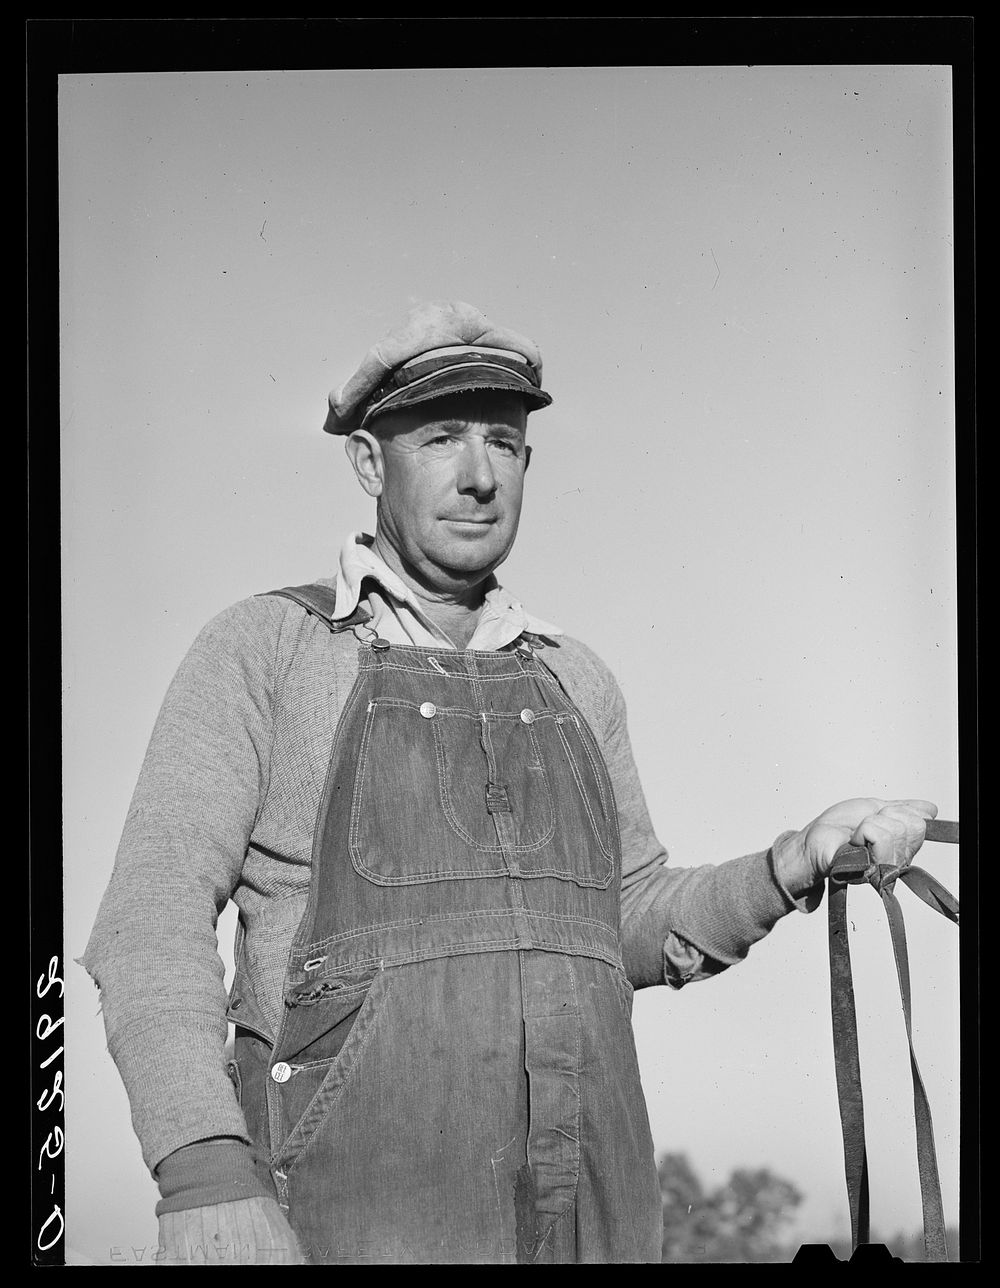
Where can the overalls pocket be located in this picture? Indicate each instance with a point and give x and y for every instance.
(323, 1037)
(248, 1073)
(453, 771)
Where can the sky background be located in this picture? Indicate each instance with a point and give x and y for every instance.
(742, 496)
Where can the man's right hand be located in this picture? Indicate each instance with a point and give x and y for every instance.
(246, 1232)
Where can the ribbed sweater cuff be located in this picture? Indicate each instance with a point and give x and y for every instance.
(736, 904)
(749, 903)
(173, 1066)
(208, 1172)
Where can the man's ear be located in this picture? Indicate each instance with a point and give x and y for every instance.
(527, 456)
(365, 454)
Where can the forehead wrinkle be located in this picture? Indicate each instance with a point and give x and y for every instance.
(461, 425)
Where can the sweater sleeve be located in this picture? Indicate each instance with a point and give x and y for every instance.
(153, 950)
(678, 925)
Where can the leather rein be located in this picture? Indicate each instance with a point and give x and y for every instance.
(853, 866)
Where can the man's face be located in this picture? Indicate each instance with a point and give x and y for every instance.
(451, 474)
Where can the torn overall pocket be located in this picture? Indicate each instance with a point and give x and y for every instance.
(327, 1024)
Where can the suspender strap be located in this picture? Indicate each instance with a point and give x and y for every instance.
(320, 601)
(853, 866)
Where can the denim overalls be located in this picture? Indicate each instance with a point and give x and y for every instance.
(454, 1079)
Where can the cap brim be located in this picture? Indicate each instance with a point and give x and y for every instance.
(451, 380)
(456, 381)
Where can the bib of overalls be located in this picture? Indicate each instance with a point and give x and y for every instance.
(454, 1078)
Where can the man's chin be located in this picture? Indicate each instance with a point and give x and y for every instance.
(471, 561)
(469, 571)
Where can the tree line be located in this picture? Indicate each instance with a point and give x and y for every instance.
(747, 1219)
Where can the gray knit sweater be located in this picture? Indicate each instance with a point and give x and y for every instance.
(225, 807)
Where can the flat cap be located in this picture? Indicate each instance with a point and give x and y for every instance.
(439, 348)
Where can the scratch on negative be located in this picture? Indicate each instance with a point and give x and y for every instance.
(497, 1157)
(718, 270)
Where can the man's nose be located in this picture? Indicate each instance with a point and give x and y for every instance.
(476, 473)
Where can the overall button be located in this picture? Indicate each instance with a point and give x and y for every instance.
(281, 1072)
(428, 710)
(528, 716)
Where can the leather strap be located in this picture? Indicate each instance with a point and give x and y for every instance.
(942, 829)
(852, 866)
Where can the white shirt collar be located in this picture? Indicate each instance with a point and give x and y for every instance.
(503, 618)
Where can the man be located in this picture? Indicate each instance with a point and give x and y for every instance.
(423, 800)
